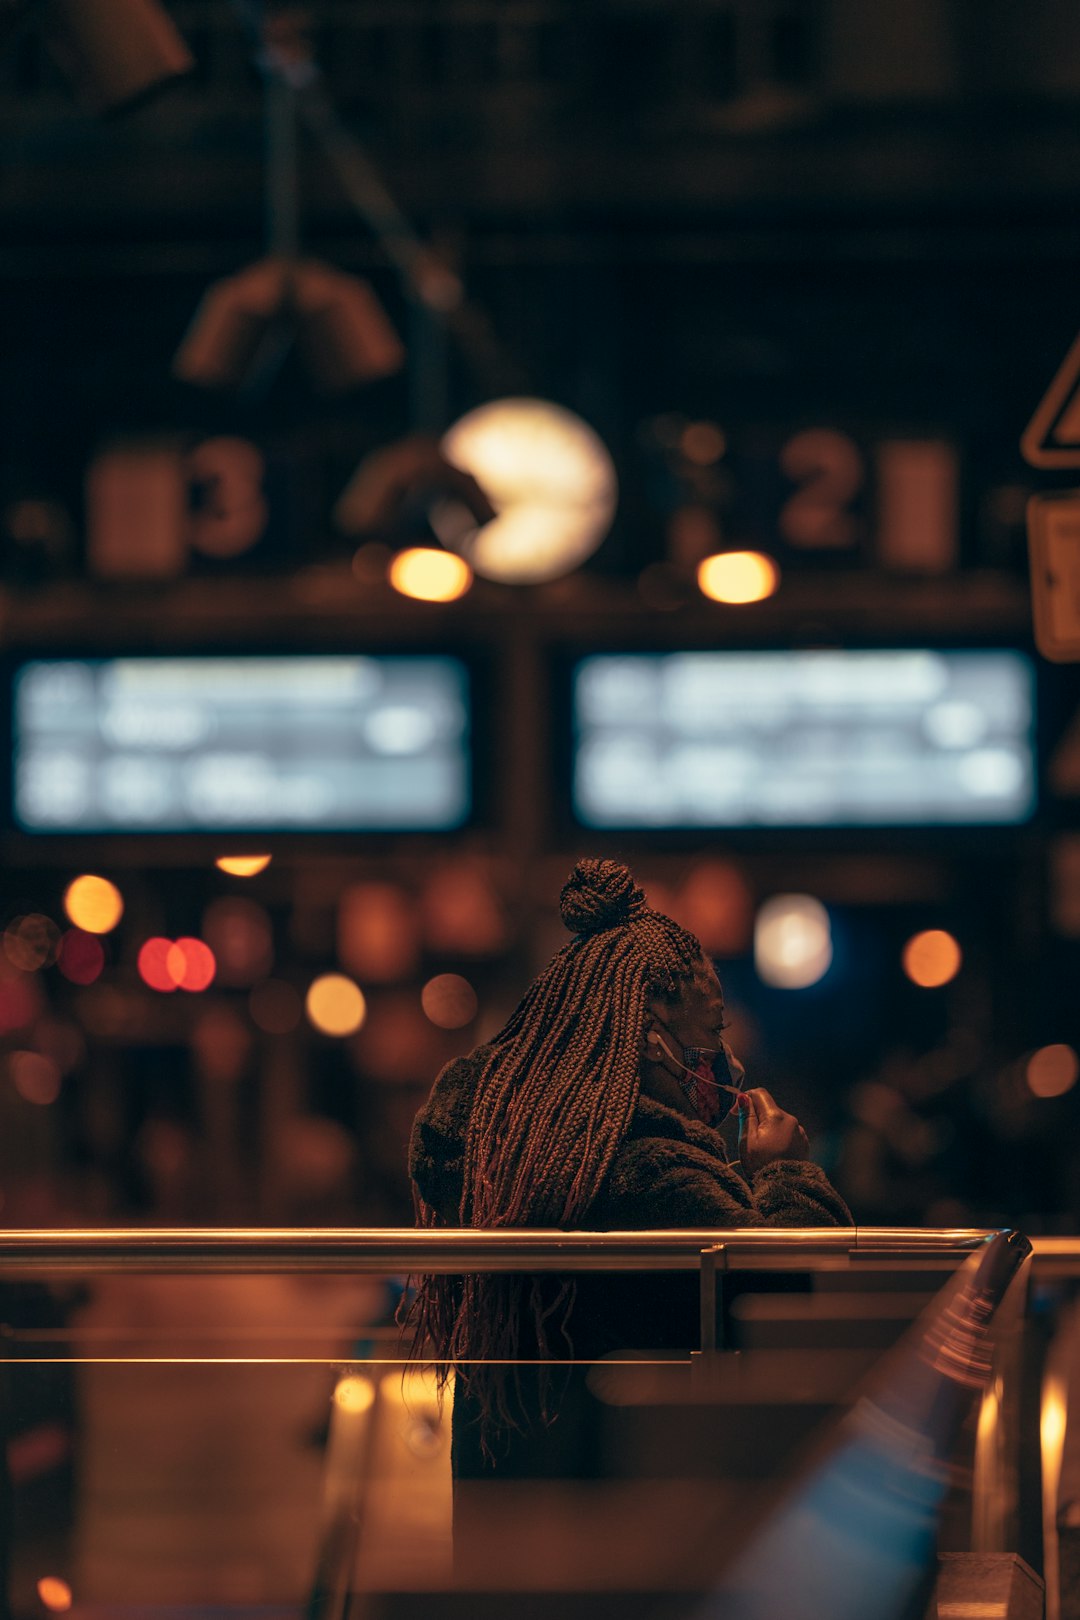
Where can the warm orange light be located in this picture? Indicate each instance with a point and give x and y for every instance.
(54, 1593)
(153, 964)
(335, 1005)
(243, 865)
(1052, 1071)
(80, 957)
(449, 1001)
(31, 942)
(190, 964)
(737, 577)
(94, 904)
(931, 958)
(428, 575)
(353, 1394)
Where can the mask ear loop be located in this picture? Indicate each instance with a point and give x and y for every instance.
(658, 1040)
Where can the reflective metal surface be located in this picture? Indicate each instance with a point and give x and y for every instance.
(391, 1249)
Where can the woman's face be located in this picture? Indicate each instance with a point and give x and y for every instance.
(695, 1020)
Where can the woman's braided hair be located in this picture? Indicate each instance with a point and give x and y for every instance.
(552, 1105)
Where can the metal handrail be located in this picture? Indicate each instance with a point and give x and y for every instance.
(449, 1250)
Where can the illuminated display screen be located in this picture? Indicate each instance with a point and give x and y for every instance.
(287, 743)
(803, 739)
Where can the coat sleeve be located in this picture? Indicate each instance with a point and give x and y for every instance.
(670, 1184)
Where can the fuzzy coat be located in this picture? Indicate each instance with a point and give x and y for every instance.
(670, 1171)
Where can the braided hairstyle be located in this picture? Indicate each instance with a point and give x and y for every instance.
(552, 1105)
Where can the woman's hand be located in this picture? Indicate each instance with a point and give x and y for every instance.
(766, 1133)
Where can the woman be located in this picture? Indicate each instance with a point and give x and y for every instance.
(596, 1106)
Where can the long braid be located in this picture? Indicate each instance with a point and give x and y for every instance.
(552, 1105)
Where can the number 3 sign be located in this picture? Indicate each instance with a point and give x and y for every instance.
(148, 503)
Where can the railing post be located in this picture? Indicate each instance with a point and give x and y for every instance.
(712, 1260)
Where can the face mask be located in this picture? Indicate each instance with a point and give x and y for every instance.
(706, 1081)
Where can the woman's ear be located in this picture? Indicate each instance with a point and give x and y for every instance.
(656, 1046)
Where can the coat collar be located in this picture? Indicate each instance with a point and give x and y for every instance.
(654, 1118)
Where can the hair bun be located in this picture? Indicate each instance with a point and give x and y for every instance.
(600, 894)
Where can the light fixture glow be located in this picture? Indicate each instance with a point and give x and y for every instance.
(736, 577)
(94, 904)
(335, 1004)
(354, 1394)
(429, 575)
(792, 941)
(931, 958)
(550, 480)
(243, 866)
(54, 1593)
(1052, 1071)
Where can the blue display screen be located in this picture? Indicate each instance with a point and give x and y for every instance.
(288, 743)
(913, 737)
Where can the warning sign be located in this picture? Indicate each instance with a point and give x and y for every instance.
(1053, 524)
(1052, 437)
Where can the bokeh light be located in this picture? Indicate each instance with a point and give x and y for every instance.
(275, 1007)
(378, 932)
(221, 1041)
(449, 1001)
(737, 577)
(35, 1077)
(21, 998)
(153, 964)
(463, 912)
(430, 575)
(31, 942)
(1052, 1071)
(94, 904)
(335, 1004)
(792, 941)
(81, 957)
(716, 905)
(931, 958)
(243, 866)
(354, 1394)
(241, 936)
(703, 443)
(190, 964)
(550, 479)
(54, 1593)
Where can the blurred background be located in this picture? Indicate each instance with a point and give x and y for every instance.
(772, 288)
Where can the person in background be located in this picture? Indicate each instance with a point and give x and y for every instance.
(597, 1107)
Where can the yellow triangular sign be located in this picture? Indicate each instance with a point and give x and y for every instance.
(1052, 437)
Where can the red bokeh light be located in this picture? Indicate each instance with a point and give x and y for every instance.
(153, 964)
(176, 964)
(190, 964)
(81, 956)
